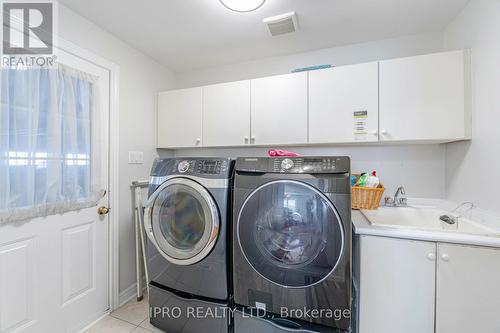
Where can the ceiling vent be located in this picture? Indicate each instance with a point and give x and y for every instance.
(282, 24)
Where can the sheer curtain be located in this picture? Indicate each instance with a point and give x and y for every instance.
(45, 142)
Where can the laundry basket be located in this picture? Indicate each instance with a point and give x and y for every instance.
(366, 197)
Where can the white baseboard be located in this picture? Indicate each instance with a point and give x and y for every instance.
(129, 293)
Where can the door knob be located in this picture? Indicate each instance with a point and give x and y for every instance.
(102, 210)
(431, 256)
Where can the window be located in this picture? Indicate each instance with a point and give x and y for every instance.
(45, 141)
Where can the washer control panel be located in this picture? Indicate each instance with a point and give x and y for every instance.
(295, 164)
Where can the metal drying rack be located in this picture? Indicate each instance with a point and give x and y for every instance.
(140, 240)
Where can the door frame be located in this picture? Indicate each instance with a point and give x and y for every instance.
(113, 177)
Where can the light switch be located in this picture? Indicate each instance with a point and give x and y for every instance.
(135, 157)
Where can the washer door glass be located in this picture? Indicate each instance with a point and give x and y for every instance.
(185, 221)
(290, 233)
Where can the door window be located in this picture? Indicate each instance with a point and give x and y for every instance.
(185, 220)
(45, 141)
(290, 233)
(181, 218)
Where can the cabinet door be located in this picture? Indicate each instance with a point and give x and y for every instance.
(343, 104)
(279, 110)
(422, 98)
(397, 286)
(179, 118)
(226, 114)
(468, 289)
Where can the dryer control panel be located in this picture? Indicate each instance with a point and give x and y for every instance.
(200, 167)
(210, 167)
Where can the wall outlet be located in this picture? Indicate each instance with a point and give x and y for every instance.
(135, 157)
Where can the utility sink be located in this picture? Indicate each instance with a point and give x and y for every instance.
(424, 218)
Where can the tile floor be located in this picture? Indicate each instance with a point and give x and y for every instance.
(131, 317)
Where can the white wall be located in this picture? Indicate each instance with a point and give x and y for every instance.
(472, 167)
(349, 54)
(140, 80)
(420, 168)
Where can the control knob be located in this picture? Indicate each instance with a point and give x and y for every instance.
(286, 164)
(183, 166)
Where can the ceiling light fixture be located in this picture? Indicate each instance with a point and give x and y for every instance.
(242, 6)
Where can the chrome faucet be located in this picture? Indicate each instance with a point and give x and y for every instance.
(460, 211)
(396, 201)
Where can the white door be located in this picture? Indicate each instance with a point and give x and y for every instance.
(343, 104)
(279, 110)
(396, 285)
(226, 114)
(423, 98)
(468, 290)
(54, 270)
(179, 118)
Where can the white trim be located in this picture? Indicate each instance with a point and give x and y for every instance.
(113, 187)
(129, 293)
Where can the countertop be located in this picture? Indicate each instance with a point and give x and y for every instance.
(361, 226)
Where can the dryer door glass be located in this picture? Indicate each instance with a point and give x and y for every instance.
(185, 221)
(290, 233)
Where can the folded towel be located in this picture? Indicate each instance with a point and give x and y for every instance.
(279, 152)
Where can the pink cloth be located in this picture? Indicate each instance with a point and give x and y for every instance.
(279, 152)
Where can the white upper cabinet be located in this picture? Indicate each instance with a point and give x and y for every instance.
(226, 114)
(343, 104)
(179, 118)
(279, 110)
(468, 298)
(415, 99)
(423, 98)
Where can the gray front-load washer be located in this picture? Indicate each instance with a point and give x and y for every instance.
(292, 238)
(186, 220)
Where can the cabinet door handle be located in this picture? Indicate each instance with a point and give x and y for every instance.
(445, 257)
(198, 140)
(384, 132)
(431, 256)
(375, 132)
(252, 139)
(246, 139)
